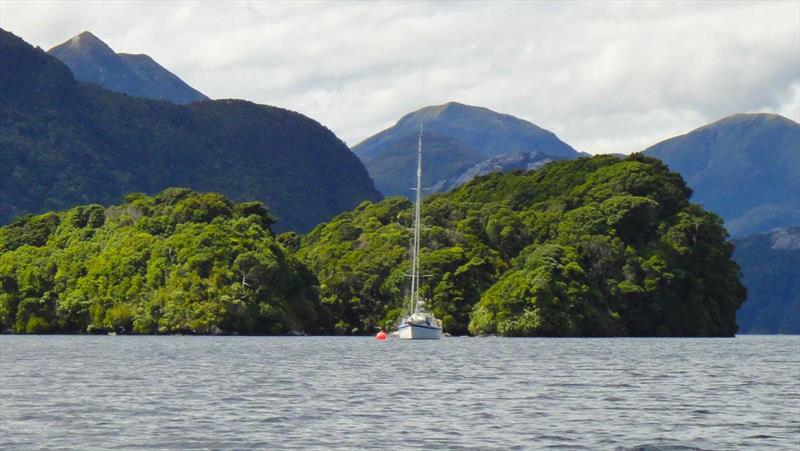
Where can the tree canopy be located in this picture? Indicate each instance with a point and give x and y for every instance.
(177, 262)
(590, 247)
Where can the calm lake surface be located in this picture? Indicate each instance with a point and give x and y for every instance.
(107, 392)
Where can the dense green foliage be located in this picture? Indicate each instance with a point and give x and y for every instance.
(92, 61)
(457, 137)
(745, 168)
(589, 247)
(176, 262)
(771, 268)
(65, 143)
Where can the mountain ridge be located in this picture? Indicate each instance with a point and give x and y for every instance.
(92, 60)
(68, 143)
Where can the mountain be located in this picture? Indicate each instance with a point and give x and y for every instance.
(518, 161)
(588, 247)
(394, 168)
(92, 61)
(65, 143)
(745, 167)
(473, 134)
(770, 263)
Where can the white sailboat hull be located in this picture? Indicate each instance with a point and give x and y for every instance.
(418, 332)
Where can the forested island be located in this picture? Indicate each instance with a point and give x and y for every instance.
(597, 246)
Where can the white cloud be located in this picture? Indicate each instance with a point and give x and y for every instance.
(605, 77)
(789, 103)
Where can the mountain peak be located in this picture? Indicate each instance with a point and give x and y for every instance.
(479, 128)
(87, 36)
(742, 118)
(435, 112)
(457, 138)
(450, 106)
(83, 42)
(92, 60)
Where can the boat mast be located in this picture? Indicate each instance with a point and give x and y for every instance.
(415, 251)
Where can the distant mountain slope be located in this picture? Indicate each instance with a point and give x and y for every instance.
(479, 129)
(770, 263)
(91, 60)
(746, 168)
(64, 143)
(394, 167)
(519, 161)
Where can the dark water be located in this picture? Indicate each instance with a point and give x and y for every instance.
(81, 392)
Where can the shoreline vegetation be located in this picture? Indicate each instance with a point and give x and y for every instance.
(591, 247)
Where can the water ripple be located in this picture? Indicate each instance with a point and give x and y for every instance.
(73, 392)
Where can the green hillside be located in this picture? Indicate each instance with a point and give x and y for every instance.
(65, 143)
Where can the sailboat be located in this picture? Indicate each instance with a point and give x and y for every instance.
(418, 323)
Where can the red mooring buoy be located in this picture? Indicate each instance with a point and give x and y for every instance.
(381, 336)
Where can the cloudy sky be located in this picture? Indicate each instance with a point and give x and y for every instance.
(605, 77)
